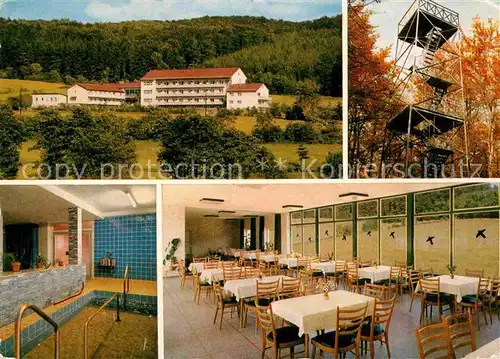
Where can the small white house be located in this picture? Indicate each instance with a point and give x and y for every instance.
(247, 95)
(42, 100)
(96, 94)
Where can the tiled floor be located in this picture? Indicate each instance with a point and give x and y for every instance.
(189, 332)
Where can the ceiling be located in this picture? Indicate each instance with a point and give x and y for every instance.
(261, 199)
(50, 203)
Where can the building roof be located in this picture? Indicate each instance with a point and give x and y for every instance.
(102, 87)
(131, 85)
(249, 87)
(47, 93)
(191, 73)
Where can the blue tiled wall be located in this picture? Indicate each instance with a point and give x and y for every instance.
(132, 239)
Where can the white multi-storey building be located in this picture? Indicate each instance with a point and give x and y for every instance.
(41, 100)
(195, 87)
(101, 94)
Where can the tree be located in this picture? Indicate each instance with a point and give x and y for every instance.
(302, 152)
(333, 165)
(11, 138)
(92, 146)
(197, 147)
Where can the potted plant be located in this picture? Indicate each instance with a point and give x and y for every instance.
(15, 265)
(41, 262)
(170, 259)
(59, 262)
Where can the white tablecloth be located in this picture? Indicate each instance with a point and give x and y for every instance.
(210, 275)
(458, 286)
(267, 258)
(375, 273)
(325, 267)
(198, 266)
(487, 351)
(247, 288)
(314, 312)
(291, 262)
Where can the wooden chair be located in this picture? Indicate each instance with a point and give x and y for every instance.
(314, 274)
(276, 338)
(354, 283)
(474, 302)
(199, 259)
(290, 288)
(460, 331)
(427, 272)
(251, 272)
(267, 292)
(265, 269)
(346, 336)
(183, 274)
(227, 264)
(374, 290)
(223, 302)
(433, 339)
(493, 298)
(340, 272)
(364, 264)
(301, 265)
(474, 273)
(393, 282)
(400, 264)
(432, 297)
(200, 287)
(378, 327)
(415, 276)
(232, 273)
(210, 265)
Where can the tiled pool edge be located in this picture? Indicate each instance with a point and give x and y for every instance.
(32, 335)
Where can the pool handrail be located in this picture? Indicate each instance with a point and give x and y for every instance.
(126, 285)
(71, 296)
(86, 327)
(44, 316)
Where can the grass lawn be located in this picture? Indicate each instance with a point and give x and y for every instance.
(288, 151)
(11, 87)
(289, 100)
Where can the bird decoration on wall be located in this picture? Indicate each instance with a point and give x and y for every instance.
(297, 235)
(326, 233)
(480, 233)
(369, 233)
(309, 239)
(344, 238)
(392, 235)
(430, 240)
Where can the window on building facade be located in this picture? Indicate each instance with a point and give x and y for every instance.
(239, 101)
(148, 83)
(148, 92)
(239, 93)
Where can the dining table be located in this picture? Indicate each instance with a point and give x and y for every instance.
(375, 273)
(314, 313)
(457, 286)
(199, 266)
(490, 350)
(212, 275)
(247, 288)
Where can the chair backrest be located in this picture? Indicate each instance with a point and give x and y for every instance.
(414, 277)
(210, 265)
(251, 272)
(214, 260)
(483, 287)
(460, 330)
(495, 289)
(474, 273)
(434, 339)
(231, 273)
(266, 321)
(430, 285)
(219, 292)
(349, 322)
(374, 290)
(199, 259)
(227, 264)
(196, 278)
(340, 266)
(400, 264)
(363, 264)
(268, 290)
(382, 314)
(395, 274)
(264, 268)
(290, 287)
(302, 261)
(426, 272)
(352, 272)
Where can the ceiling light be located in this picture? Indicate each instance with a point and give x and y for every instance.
(212, 200)
(292, 206)
(211, 216)
(226, 212)
(131, 198)
(354, 195)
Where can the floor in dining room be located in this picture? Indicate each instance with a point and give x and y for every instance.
(190, 332)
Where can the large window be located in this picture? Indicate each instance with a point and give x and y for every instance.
(309, 239)
(343, 241)
(432, 240)
(343, 212)
(368, 235)
(392, 240)
(476, 244)
(482, 195)
(326, 238)
(296, 234)
(393, 206)
(433, 201)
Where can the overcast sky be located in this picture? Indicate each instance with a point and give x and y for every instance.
(120, 10)
(388, 13)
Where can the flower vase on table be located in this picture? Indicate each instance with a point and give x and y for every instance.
(451, 269)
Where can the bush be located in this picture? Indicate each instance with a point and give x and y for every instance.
(269, 134)
(301, 132)
(295, 113)
(333, 165)
(11, 137)
(147, 127)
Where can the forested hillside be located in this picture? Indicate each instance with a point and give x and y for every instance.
(279, 53)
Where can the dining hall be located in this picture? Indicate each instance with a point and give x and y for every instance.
(277, 270)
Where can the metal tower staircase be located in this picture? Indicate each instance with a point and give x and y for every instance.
(427, 125)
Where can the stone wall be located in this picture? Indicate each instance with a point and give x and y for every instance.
(73, 235)
(41, 288)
